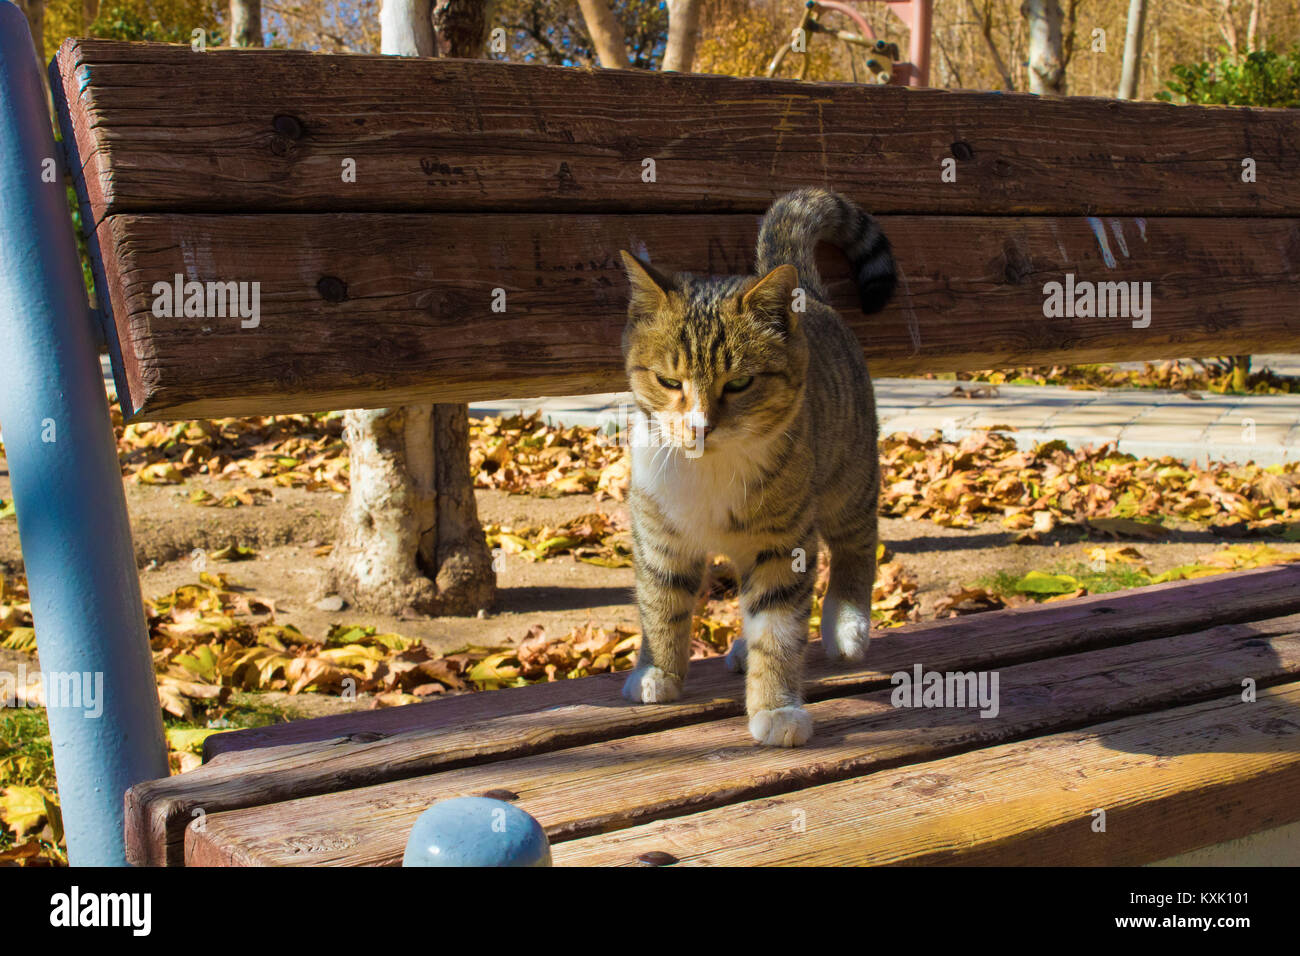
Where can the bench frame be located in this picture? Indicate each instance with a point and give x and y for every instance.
(62, 454)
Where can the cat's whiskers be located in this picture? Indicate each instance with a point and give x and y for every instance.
(667, 451)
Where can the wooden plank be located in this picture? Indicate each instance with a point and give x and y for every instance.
(376, 310)
(286, 761)
(1007, 636)
(615, 784)
(1170, 782)
(160, 128)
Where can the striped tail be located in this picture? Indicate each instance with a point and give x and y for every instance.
(797, 221)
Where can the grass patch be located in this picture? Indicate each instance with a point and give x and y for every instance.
(1070, 577)
(999, 582)
(26, 755)
(1115, 578)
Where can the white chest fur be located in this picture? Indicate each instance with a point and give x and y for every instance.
(699, 494)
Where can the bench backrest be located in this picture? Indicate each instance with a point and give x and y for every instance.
(449, 230)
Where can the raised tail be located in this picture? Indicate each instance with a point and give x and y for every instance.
(797, 221)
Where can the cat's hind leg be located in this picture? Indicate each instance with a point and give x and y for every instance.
(666, 589)
(846, 609)
(736, 654)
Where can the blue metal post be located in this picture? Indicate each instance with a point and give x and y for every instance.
(94, 648)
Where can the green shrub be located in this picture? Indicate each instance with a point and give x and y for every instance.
(1262, 78)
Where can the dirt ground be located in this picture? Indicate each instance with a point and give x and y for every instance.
(559, 593)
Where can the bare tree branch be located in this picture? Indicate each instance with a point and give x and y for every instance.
(606, 34)
(985, 20)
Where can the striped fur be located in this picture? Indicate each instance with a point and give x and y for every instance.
(762, 439)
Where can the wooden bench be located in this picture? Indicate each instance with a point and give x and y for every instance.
(1129, 703)
(381, 203)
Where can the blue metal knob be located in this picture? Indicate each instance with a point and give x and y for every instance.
(476, 831)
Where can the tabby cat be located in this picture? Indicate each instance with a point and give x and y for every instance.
(754, 432)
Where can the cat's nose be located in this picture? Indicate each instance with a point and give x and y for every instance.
(698, 423)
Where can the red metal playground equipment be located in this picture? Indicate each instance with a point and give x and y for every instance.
(882, 59)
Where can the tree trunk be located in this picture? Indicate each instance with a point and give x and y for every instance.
(683, 30)
(1046, 58)
(606, 34)
(382, 549)
(462, 563)
(409, 538)
(406, 28)
(1240, 373)
(1128, 82)
(246, 23)
(89, 14)
(461, 26)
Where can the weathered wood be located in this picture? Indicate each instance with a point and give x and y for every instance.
(287, 761)
(615, 784)
(1010, 636)
(1169, 781)
(160, 128)
(377, 310)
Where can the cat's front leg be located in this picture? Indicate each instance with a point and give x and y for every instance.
(776, 599)
(667, 585)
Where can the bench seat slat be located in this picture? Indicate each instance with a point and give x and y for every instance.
(1170, 781)
(614, 784)
(287, 761)
(374, 310)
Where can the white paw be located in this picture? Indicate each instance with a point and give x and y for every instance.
(736, 656)
(782, 727)
(650, 685)
(846, 631)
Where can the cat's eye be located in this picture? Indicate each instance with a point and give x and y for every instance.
(739, 384)
(669, 382)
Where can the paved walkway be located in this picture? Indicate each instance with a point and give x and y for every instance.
(1144, 422)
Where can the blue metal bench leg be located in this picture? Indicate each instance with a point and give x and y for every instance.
(102, 702)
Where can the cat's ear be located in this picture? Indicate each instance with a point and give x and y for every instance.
(649, 289)
(770, 296)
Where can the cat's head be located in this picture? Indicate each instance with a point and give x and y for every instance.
(714, 362)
